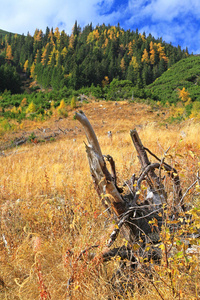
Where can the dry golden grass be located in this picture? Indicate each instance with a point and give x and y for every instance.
(50, 211)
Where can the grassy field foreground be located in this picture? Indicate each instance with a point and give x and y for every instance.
(50, 212)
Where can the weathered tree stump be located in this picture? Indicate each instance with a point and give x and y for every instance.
(132, 217)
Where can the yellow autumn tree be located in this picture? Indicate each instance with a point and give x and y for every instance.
(96, 34)
(9, 53)
(105, 33)
(123, 65)
(152, 53)
(64, 52)
(161, 52)
(23, 102)
(25, 66)
(73, 102)
(90, 37)
(32, 70)
(134, 62)
(44, 56)
(71, 41)
(51, 36)
(184, 95)
(38, 35)
(53, 56)
(52, 104)
(93, 36)
(62, 110)
(19, 110)
(142, 36)
(57, 33)
(31, 108)
(105, 43)
(130, 48)
(145, 56)
(111, 33)
(37, 56)
(14, 110)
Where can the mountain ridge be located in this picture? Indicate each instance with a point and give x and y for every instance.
(89, 56)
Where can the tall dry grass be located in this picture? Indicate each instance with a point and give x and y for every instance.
(50, 211)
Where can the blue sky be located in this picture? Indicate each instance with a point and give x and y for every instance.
(176, 21)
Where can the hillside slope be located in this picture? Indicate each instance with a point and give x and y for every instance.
(4, 32)
(127, 116)
(50, 211)
(89, 56)
(185, 73)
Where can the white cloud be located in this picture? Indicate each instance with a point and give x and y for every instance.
(23, 16)
(174, 20)
(163, 10)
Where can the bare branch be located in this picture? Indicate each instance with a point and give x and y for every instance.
(189, 188)
(90, 134)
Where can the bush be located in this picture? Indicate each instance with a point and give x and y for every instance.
(31, 108)
(120, 89)
(73, 102)
(62, 110)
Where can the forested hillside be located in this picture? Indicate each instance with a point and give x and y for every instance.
(184, 74)
(89, 56)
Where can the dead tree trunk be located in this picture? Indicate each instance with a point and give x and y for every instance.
(131, 214)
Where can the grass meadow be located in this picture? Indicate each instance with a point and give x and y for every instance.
(50, 211)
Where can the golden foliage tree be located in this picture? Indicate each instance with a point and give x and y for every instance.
(31, 108)
(123, 65)
(90, 37)
(142, 36)
(130, 48)
(184, 95)
(50, 37)
(23, 102)
(145, 56)
(71, 41)
(105, 43)
(152, 53)
(32, 70)
(9, 53)
(38, 35)
(57, 33)
(96, 34)
(25, 66)
(161, 52)
(62, 109)
(64, 52)
(73, 102)
(37, 56)
(44, 56)
(134, 62)
(53, 57)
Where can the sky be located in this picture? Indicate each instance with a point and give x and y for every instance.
(176, 21)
